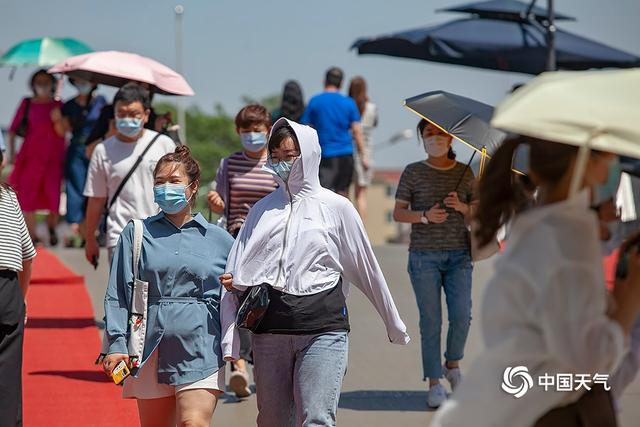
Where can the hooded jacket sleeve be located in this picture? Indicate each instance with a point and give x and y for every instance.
(230, 343)
(361, 268)
(229, 302)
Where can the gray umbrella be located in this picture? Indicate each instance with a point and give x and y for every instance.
(465, 119)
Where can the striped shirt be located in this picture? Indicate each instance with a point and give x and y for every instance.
(15, 243)
(241, 182)
(422, 186)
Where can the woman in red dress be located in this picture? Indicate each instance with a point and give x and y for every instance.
(38, 167)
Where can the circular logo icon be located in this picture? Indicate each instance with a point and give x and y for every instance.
(516, 381)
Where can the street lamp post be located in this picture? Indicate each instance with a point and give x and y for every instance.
(182, 122)
(551, 37)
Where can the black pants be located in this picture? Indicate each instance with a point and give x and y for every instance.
(11, 336)
(336, 173)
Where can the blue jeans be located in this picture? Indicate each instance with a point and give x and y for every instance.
(430, 272)
(298, 378)
(76, 166)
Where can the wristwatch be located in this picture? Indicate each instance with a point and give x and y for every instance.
(424, 218)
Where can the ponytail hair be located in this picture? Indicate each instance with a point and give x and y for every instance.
(503, 194)
(182, 156)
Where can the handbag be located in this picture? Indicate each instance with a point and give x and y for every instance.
(253, 307)
(102, 227)
(593, 409)
(139, 306)
(21, 131)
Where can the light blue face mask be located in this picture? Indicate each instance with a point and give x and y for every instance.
(129, 126)
(172, 198)
(283, 169)
(608, 190)
(84, 88)
(253, 141)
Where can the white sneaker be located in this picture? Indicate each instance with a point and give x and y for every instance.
(453, 375)
(436, 396)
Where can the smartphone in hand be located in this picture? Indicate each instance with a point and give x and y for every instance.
(120, 372)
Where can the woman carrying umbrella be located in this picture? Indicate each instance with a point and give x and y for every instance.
(38, 171)
(81, 114)
(439, 252)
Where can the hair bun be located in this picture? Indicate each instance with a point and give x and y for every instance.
(183, 151)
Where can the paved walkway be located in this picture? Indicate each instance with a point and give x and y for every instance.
(383, 384)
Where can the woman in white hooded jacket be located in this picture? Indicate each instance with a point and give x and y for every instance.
(308, 244)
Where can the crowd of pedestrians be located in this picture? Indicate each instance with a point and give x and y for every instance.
(267, 285)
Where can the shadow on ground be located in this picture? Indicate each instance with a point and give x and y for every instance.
(60, 323)
(93, 376)
(384, 400)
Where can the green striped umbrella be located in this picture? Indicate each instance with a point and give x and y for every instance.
(45, 51)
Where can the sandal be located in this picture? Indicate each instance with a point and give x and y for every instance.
(239, 383)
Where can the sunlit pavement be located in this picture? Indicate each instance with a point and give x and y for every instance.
(383, 385)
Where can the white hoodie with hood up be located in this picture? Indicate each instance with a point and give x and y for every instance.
(301, 239)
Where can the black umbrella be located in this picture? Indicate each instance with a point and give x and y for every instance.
(508, 10)
(464, 118)
(497, 45)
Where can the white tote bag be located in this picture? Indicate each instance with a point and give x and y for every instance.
(139, 305)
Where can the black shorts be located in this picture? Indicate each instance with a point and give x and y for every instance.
(336, 173)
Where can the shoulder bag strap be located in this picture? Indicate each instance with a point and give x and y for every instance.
(138, 229)
(25, 115)
(131, 171)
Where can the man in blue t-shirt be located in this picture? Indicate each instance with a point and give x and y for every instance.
(337, 120)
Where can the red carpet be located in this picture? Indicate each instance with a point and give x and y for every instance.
(61, 385)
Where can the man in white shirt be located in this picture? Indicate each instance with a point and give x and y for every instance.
(111, 162)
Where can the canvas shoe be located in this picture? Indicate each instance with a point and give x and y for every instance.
(453, 375)
(436, 396)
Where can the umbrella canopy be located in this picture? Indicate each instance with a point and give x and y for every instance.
(44, 51)
(497, 45)
(506, 10)
(463, 118)
(597, 109)
(115, 68)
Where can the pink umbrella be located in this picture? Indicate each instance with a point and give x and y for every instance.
(115, 68)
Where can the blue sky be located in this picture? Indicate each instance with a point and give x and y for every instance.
(235, 48)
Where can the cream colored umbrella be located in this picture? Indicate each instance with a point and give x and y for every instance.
(590, 109)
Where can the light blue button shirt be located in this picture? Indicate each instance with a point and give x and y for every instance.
(182, 266)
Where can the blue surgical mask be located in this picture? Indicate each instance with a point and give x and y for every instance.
(172, 198)
(129, 126)
(84, 88)
(253, 141)
(282, 169)
(608, 190)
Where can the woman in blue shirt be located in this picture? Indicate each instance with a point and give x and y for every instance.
(182, 371)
